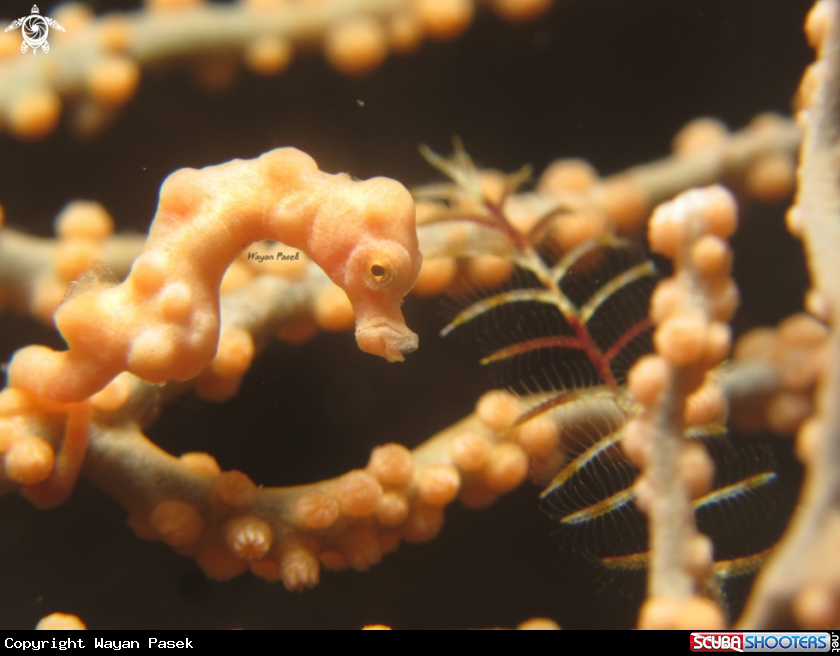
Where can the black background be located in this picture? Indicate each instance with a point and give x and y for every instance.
(611, 81)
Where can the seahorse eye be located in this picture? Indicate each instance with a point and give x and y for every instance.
(378, 272)
(382, 265)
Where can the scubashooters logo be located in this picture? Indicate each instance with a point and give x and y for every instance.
(35, 29)
(717, 642)
(761, 642)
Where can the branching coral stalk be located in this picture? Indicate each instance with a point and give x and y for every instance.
(100, 59)
(573, 204)
(690, 310)
(798, 585)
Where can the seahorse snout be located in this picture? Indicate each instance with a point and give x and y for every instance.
(387, 338)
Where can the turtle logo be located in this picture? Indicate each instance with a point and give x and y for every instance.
(35, 29)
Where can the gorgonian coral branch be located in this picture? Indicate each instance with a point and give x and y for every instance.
(102, 58)
(691, 310)
(802, 582)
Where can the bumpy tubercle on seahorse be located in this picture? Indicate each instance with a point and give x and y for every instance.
(162, 322)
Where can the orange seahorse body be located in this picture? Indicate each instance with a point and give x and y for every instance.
(162, 322)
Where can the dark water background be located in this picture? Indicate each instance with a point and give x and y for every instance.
(610, 81)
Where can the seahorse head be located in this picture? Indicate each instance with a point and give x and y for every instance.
(373, 255)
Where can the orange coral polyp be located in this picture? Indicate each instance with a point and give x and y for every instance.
(178, 523)
(162, 322)
(438, 484)
(470, 451)
(392, 464)
(29, 460)
(315, 510)
(358, 494)
(248, 537)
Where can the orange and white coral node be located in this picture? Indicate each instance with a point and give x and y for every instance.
(114, 395)
(696, 613)
(539, 436)
(787, 411)
(162, 322)
(506, 468)
(361, 548)
(315, 509)
(178, 523)
(699, 557)
(216, 559)
(233, 489)
(647, 378)
(405, 33)
(201, 463)
(637, 441)
(248, 537)
(435, 276)
(771, 177)
(697, 470)
(470, 451)
(498, 410)
(711, 256)
(113, 81)
(29, 460)
(438, 484)
(269, 55)
(115, 33)
(392, 464)
(60, 622)
(706, 406)
(34, 114)
(358, 494)
(574, 176)
(809, 440)
(802, 330)
(643, 493)
(444, 19)
(625, 203)
(357, 45)
(698, 135)
(520, 11)
(817, 607)
(84, 219)
(75, 256)
(423, 523)
(235, 353)
(719, 210)
(489, 270)
(298, 563)
(571, 230)
(816, 23)
(681, 338)
(333, 310)
(73, 16)
(538, 624)
(393, 509)
(711, 210)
